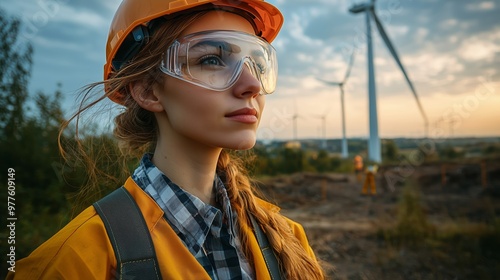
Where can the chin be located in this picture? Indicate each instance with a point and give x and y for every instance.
(243, 143)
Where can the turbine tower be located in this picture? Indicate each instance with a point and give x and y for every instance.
(374, 151)
(341, 84)
(322, 117)
(295, 116)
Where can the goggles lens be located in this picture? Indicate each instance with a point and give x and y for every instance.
(215, 59)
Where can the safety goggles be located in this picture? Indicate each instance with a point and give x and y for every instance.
(215, 59)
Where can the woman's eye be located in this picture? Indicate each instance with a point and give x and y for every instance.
(262, 68)
(211, 61)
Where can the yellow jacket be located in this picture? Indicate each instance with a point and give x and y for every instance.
(82, 250)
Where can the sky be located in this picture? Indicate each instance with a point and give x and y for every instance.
(449, 48)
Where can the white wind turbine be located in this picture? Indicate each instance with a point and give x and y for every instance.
(341, 84)
(374, 152)
(322, 117)
(295, 116)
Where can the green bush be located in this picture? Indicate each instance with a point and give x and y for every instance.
(412, 226)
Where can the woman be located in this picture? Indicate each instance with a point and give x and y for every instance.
(192, 76)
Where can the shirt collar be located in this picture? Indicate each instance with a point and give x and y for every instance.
(190, 217)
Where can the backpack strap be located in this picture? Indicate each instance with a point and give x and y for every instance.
(268, 253)
(129, 236)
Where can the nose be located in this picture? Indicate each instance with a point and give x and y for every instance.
(247, 85)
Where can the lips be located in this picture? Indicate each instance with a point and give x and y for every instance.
(244, 111)
(244, 115)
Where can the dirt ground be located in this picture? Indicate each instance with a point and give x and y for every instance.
(342, 224)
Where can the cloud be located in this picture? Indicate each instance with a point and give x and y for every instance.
(432, 68)
(83, 18)
(397, 30)
(481, 47)
(449, 23)
(421, 34)
(296, 24)
(483, 6)
(475, 50)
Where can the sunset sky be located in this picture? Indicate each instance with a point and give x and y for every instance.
(450, 49)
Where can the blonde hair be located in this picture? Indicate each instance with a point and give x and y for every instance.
(136, 131)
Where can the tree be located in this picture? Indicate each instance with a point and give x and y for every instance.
(449, 152)
(15, 71)
(389, 150)
(290, 160)
(262, 162)
(28, 144)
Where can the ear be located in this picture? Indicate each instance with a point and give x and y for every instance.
(145, 97)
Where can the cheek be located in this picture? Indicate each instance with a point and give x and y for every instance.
(261, 100)
(199, 115)
(189, 107)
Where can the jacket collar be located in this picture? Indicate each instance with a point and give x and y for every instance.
(188, 216)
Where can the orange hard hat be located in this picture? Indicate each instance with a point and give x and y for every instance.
(267, 20)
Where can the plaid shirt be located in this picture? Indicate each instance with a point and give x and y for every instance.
(208, 233)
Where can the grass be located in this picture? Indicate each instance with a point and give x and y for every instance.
(412, 226)
(454, 249)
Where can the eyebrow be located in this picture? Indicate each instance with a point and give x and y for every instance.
(258, 53)
(225, 46)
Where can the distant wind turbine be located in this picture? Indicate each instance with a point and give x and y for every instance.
(322, 117)
(374, 151)
(341, 84)
(295, 116)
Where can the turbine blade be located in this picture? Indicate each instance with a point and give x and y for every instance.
(391, 48)
(351, 61)
(328, 82)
